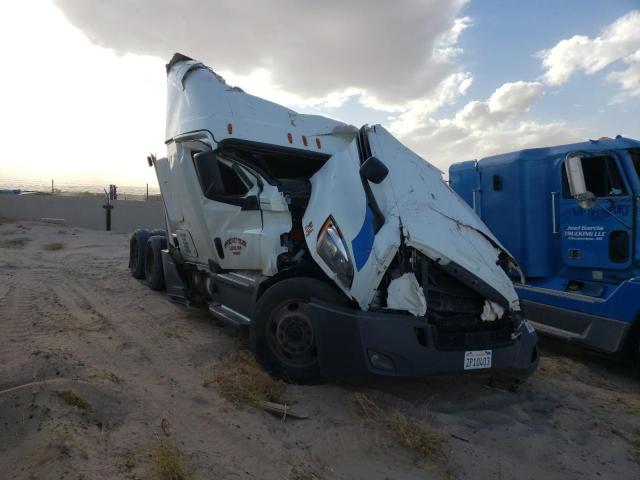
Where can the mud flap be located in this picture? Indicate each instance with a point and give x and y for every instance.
(176, 289)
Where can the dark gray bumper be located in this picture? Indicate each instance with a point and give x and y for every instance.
(347, 338)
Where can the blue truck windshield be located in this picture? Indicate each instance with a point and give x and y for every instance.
(635, 158)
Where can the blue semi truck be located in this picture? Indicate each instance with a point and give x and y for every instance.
(569, 215)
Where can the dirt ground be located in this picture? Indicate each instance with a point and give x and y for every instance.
(96, 371)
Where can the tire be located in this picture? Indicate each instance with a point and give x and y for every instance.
(137, 247)
(153, 271)
(281, 330)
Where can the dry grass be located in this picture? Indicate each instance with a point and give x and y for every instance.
(408, 432)
(52, 452)
(53, 246)
(107, 375)
(56, 449)
(242, 381)
(19, 242)
(73, 399)
(169, 462)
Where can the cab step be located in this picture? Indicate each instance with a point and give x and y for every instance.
(229, 316)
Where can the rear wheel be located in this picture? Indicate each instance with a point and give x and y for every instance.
(281, 330)
(137, 247)
(153, 271)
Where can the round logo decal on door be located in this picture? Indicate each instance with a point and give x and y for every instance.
(235, 245)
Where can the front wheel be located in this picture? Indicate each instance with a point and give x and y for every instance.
(282, 334)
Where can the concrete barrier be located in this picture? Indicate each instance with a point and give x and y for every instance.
(85, 212)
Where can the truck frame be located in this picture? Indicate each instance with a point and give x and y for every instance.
(340, 250)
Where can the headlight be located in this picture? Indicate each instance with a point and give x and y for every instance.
(333, 251)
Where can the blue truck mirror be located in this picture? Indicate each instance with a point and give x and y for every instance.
(577, 184)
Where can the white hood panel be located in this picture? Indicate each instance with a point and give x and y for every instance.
(414, 198)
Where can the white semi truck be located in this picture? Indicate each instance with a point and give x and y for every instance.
(341, 250)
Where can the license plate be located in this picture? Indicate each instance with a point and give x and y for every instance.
(475, 359)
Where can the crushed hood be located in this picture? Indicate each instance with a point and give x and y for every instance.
(418, 207)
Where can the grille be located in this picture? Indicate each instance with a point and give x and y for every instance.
(448, 340)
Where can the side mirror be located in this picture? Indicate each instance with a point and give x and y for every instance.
(208, 171)
(577, 185)
(374, 170)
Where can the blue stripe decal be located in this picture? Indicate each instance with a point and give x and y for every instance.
(362, 244)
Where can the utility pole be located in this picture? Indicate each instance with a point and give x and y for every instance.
(112, 195)
(52, 186)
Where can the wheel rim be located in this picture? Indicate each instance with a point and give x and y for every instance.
(290, 334)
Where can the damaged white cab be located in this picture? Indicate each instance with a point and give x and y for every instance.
(341, 250)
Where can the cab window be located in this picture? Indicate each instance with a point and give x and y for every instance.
(233, 184)
(234, 181)
(601, 175)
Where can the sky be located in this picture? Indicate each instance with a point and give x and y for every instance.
(82, 90)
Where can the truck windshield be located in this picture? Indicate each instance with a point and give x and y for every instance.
(635, 159)
(601, 176)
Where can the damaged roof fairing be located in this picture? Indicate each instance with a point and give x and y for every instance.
(199, 99)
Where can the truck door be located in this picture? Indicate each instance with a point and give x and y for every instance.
(244, 216)
(597, 233)
(225, 207)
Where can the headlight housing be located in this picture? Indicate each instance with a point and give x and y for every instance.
(333, 250)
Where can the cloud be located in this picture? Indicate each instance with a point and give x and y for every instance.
(72, 111)
(628, 79)
(443, 142)
(514, 98)
(417, 111)
(394, 54)
(446, 46)
(508, 101)
(482, 128)
(590, 55)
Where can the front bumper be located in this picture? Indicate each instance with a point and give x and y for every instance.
(346, 340)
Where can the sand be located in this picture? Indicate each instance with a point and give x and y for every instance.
(73, 319)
